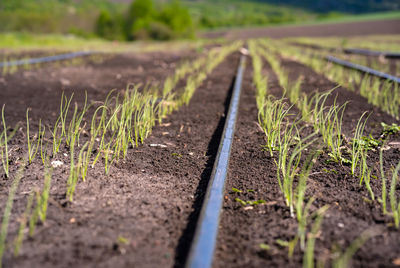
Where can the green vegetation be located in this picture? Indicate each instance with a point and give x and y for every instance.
(24, 220)
(390, 129)
(288, 163)
(232, 13)
(342, 259)
(308, 258)
(351, 6)
(164, 20)
(114, 21)
(249, 202)
(394, 203)
(144, 21)
(272, 114)
(29, 41)
(357, 149)
(100, 17)
(7, 210)
(39, 211)
(32, 147)
(373, 42)
(209, 14)
(55, 16)
(4, 145)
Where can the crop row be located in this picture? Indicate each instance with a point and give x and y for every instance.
(95, 132)
(384, 95)
(375, 62)
(378, 43)
(298, 130)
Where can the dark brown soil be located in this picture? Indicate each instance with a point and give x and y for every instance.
(148, 198)
(253, 171)
(335, 29)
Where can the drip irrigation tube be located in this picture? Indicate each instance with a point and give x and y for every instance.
(364, 69)
(372, 52)
(46, 59)
(202, 250)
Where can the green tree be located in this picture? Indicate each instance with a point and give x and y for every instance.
(110, 27)
(141, 9)
(177, 18)
(11, 4)
(141, 13)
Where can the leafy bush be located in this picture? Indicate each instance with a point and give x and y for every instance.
(160, 31)
(26, 21)
(172, 21)
(140, 15)
(54, 16)
(178, 19)
(110, 27)
(143, 21)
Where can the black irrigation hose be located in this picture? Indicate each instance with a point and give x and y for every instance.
(364, 69)
(46, 59)
(202, 250)
(373, 53)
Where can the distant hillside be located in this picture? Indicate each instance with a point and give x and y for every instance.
(79, 16)
(345, 6)
(231, 13)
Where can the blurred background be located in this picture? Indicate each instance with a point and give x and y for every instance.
(126, 20)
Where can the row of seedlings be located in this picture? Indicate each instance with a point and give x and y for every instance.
(286, 145)
(385, 95)
(375, 62)
(327, 122)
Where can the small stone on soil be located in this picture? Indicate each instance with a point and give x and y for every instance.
(57, 163)
(65, 82)
(395, 144)
(244, 51)
(158, 145)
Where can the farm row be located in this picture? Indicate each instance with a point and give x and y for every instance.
(84, 139)
(327, 179)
